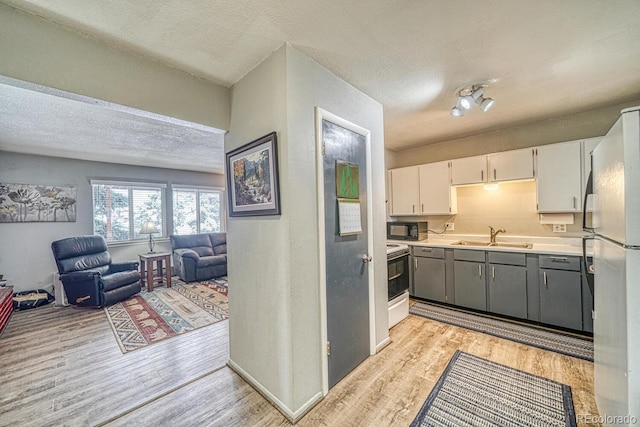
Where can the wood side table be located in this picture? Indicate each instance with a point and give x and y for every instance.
(146, 269)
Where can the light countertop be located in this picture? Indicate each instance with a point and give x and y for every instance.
(542, 245)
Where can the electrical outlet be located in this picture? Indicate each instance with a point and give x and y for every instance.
(559, 228)
(449, 226)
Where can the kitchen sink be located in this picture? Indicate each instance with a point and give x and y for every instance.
(470, 243)
(512, 245)
(497, 244)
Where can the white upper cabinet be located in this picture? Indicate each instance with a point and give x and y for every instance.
(469, 170)
(437, 197)
(422, 190)
(559, 183)
(405, 190)
(511, 165)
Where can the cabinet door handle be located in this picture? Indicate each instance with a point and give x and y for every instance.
(422, 207)
(415, 264)
(493, 272)
(573, 201)
(479, 270)
(544, 279)
(413, 208)
(481, 175)
(494, 175)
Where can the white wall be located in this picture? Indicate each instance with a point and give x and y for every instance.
(26, 260)
(274, 295)
(39, 51)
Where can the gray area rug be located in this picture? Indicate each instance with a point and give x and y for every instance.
(548, 340)
(478, 392)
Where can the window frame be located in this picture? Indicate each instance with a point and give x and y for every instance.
(198, 189)
(131, 186)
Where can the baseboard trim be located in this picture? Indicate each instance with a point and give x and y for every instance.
(383, 344)
(292, 416)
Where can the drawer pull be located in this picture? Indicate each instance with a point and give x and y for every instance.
(558, 259)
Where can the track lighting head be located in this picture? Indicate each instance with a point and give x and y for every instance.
(486, 104)
(466, 102)
(457, 112)
(469, 95)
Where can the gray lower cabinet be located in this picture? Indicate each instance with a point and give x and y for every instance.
(507, 284)
(561, 291)
(469, 279)
(542, 288)
(429, 273)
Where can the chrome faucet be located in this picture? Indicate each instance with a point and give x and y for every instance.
(493, 233)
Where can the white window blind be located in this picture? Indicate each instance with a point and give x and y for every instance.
(197, 210)
(119, 209)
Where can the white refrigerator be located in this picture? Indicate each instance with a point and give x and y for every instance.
(616, 224)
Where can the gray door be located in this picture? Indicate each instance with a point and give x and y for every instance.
(347, 285)
(470, 284)
(429, 279)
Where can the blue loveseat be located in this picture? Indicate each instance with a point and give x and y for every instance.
(199, 256)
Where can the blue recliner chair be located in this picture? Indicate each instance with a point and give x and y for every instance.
(88, 275)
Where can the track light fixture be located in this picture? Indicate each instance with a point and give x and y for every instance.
(469, 95)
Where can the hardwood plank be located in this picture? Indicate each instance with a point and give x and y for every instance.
(63, 366)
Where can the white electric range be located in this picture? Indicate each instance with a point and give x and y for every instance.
(398, 280)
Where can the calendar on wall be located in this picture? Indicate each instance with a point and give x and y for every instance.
(349, 217)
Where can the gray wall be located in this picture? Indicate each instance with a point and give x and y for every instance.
(275, 309)
(26, 260)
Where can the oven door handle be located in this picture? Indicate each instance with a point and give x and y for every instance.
(397, 256)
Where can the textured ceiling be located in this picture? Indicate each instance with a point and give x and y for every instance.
(39, 120)
(545, 58)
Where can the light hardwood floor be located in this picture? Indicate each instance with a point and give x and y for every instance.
(62, 366)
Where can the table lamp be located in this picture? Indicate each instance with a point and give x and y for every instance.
(148, 227)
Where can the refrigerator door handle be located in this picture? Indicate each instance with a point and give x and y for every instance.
(585, 262)
(587, 192)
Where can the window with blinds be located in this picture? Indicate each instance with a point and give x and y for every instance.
(197, 210)
(119, 209)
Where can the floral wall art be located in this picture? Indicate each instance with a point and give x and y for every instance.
(37, 203)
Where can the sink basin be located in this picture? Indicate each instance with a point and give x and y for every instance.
(512, 245)
(470, 243)
(497, 245)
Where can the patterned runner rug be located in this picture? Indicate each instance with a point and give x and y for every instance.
(479, 392)
(150, 317)
(548, 340)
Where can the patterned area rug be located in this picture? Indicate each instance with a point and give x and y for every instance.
(548, 340)
(150, 317)
(479, 392)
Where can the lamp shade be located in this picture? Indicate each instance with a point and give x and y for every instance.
(148, 227)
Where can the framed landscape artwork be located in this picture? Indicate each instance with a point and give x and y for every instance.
(252, 178)
(37, 203)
